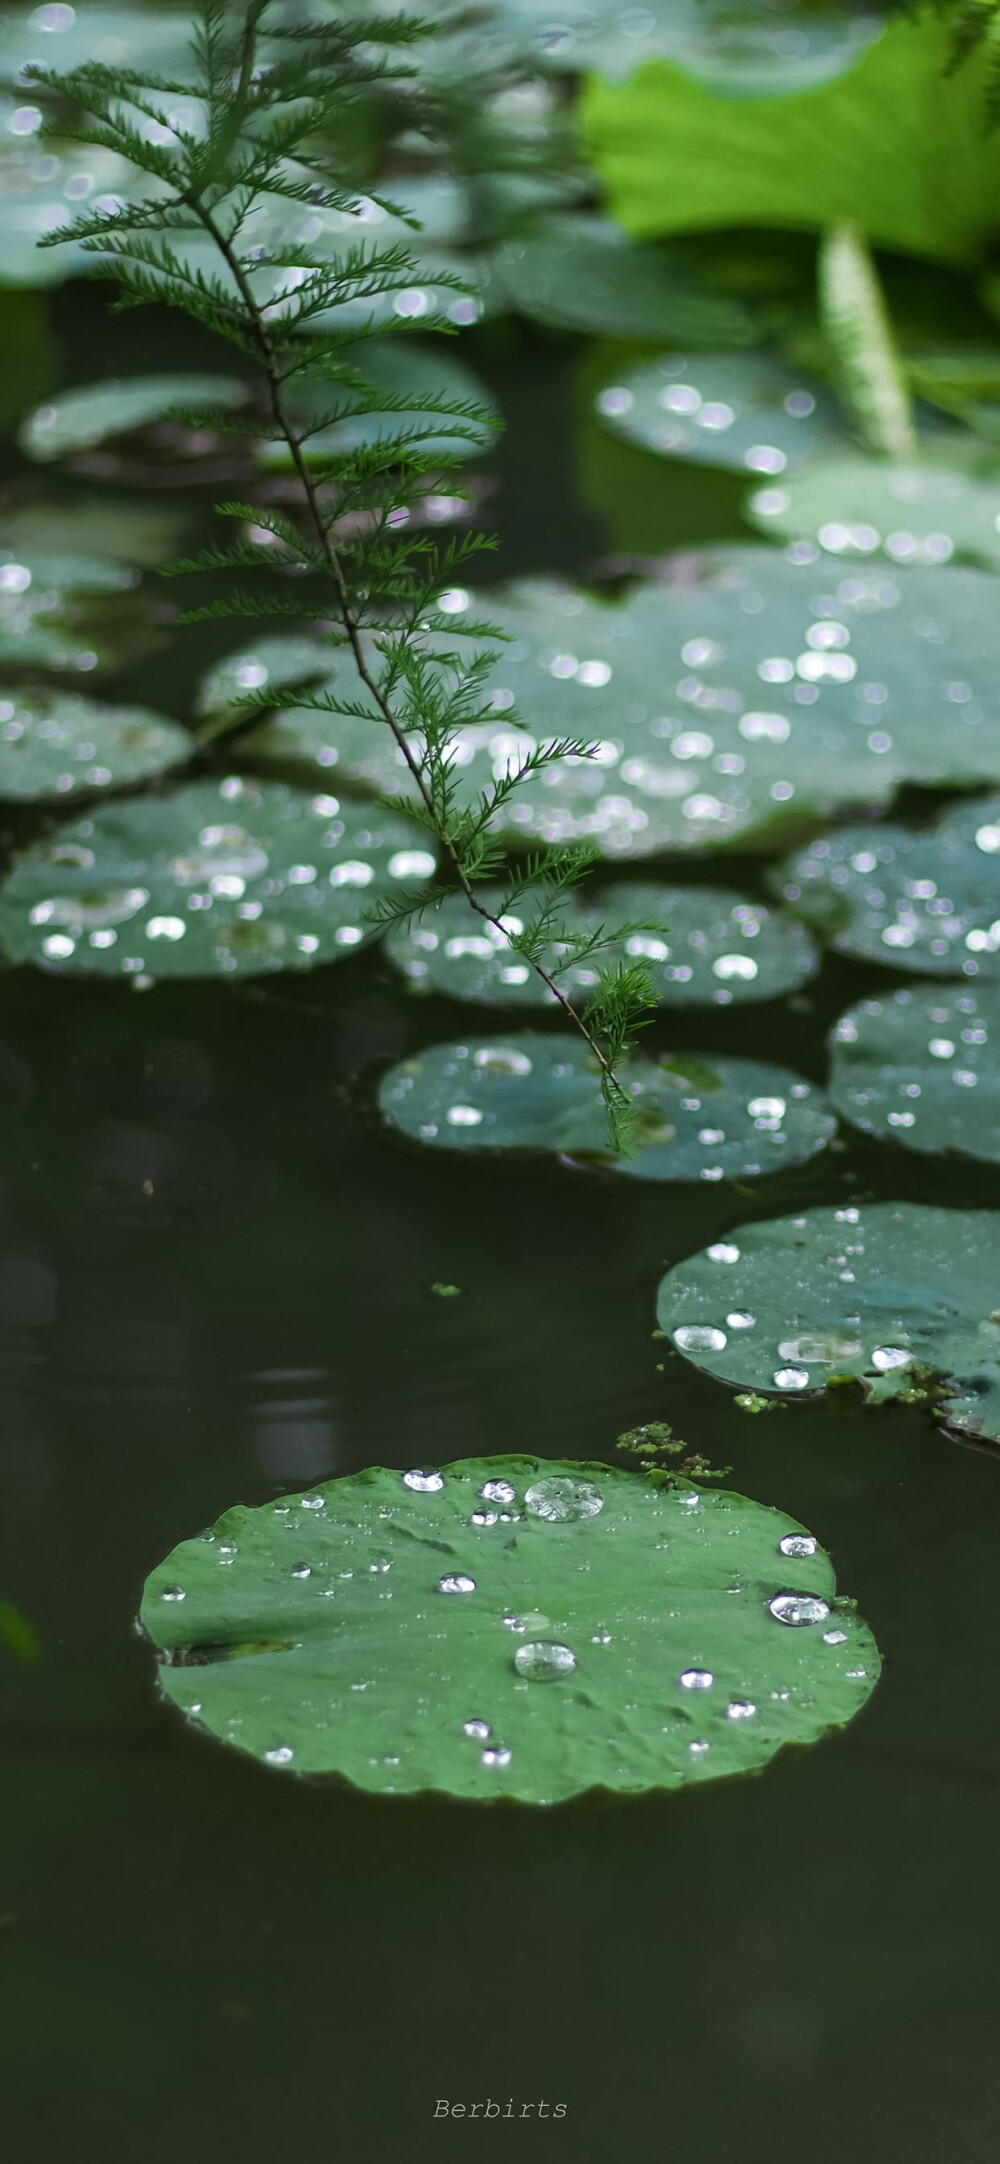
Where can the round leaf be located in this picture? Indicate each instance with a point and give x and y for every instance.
(698, 945)
(699, 1118)
(407, 370)
(79, 420)
(945, 504)
(743, 411)
(927, 901)
(583, 274)
(40, 608)
(227, 878)
(58, 743)
(509, 1627)
(749, 693)
(901, 1297)
(921, 1068)
(728, 45)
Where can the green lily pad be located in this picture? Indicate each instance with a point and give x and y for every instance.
(44, 185)
(891, 1294)
(80, 420)
(702, 946)
(699, 1118)
(583, 274)
(921, 1068)
(944, 505)
(42, 615)
(402, 369)
(56, 35)
(58, 743)
(744, 696)
(746, 412)
(269, 664)
(731, 46)
(389, 1628)
(926, 901)
(221, 878)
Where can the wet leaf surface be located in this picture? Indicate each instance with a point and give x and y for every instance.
(60, 744)
(921, 1069)
(926, 900)
(747, 412)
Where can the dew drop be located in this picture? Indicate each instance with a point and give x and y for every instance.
(563, 1498)
(173, 1592)
(456, 1582)
(424, 1483)
(478, 1730)
(495, 1755)
(699, 1337)
(797, 1544)
(797, 1608)
(497, 1491)
(281, 1756)
(543, 1663)
(696, 1679)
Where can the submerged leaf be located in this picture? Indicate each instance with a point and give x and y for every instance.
(510, 1626)
(701, 946)
(59, 744)
(897, 1295)
(921, 1068)
(698, 1118)
(227, 878)
(927, 901)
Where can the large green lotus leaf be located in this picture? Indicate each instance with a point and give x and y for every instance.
(921, 1068)
(746, 695)
(402, 368)
(700, 946)
(892, 1294)
(221, 878)
(510, 1626)
(744, 411)
(42, 615)
(898, 145)
(699, 1118)
(44, 185)
(583, 274)
(270, 664)
(59, 744)
(927, 901)
(732, 46)
(79, 420)
(945, 504)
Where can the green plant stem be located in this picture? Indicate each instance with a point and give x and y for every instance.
(282, 420)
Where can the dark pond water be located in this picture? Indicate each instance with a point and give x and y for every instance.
(215, 1276)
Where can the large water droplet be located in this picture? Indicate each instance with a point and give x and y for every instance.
(173, 1592)
(456, 1582)
(798, 1608)
(562, 1498)
(699, 1337)
(424, 1483)
(696, 1679)
(797, 1544)
(497, 1491)
(479, 1730)
(281, 1756)
(495, 1755)
(544, 1663)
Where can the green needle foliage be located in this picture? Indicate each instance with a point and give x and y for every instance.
(260, 126)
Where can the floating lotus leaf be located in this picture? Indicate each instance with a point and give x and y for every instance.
(221, 878)
(945, 504)
(270, 664)
(79, 420)
(40, 607)
(728, 45)
(702, 945)
(901, 1297)
(748, 694)
(699, 1118)
(744, 411)
(44, 185)
(509, 1626)
(921, 1068)
(583, 274)
(926, 901)
(58, 743)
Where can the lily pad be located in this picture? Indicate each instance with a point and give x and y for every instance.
(79, 420)
(699, 1118)
(702, 946)
(892, 1294)
(407, 369)
(744, 695)
(927, 901)
(583, 274)
(221, 878)
(921, 1068)
(44, 185)
(269, 664)
(41, 611)
(732, 46)
(56, 35)
(510, 1626)
(944, 505)
(58, 743)
(746, 412)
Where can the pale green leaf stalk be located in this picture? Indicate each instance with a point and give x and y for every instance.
(854, 316)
